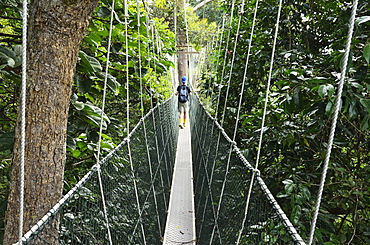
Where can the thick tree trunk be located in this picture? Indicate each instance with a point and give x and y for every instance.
(55, 31)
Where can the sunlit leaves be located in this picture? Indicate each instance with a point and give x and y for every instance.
(12, 58)
(326, 90)
(309, 61)
(362, 19)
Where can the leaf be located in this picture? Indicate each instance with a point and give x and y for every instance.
(287, 182)
(111, 81)
(289, 185)
(78, 105)
(330, 88)
(361, 73)
(356, 85)
(326, 90)
(366, 53)
(365, 103)
(89, 63)
(322, 91)
(4, 59)
(6, 141)
(305, 192)
(95, 121)
(329, 109)
(71, 143)
(365, 122)
(361, 20)
(296, 214)
(9, 53)
(352, 111)
(104, 12)
(84, 86)
(281, 195)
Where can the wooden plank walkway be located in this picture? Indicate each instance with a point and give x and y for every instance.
(180, 226)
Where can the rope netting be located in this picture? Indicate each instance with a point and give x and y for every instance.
(266, 223)
(79, 216)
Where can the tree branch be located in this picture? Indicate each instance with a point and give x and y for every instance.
(201, 5)
(9, 40)
(9, 18)
(10, 35)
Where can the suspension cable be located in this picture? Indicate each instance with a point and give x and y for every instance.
(223, 116)
(159, 155)
(219, 41)
(126, 16)
(101, 122)
(232, 65)
(23, 117)
(218, 102)
(334, 121)
(263, 117)
(142, 116)
(225, 55)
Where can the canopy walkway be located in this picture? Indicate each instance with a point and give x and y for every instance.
(125, 199)
(162, 186)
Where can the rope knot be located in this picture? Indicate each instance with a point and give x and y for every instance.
(258, 173)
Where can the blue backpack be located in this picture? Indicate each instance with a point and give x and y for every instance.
(183, 94)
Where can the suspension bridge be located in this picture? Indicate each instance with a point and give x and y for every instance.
(165, 185)
(136, 193)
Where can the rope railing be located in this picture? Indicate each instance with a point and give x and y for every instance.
(78, 218)
(265, 224)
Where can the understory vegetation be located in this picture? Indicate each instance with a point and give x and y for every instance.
(305, 75)
(133, 88)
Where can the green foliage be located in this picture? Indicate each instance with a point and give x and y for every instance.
(149, 46)
(306, 71)
(199, 30)
(146, 70)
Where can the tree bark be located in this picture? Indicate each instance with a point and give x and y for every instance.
(182, 47)
(55, 31)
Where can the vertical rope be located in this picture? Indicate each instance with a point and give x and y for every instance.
(218, 42)
(268, 88)
(232, 63)
(335, 119)
(23, 117)
(218, 102)
(159, 159)
(225, 58)
(263, 117)
(223, 116)
(126, 15)
(101, 123)
(142, 116)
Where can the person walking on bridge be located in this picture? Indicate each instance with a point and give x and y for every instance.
(183, 92)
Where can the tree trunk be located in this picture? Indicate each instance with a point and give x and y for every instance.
(55, 31)
(182, 46)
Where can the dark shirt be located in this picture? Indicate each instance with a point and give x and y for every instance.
(180, 87)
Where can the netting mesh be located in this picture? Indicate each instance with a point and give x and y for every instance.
(221, 189)
(79, 217)
(137, 201)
